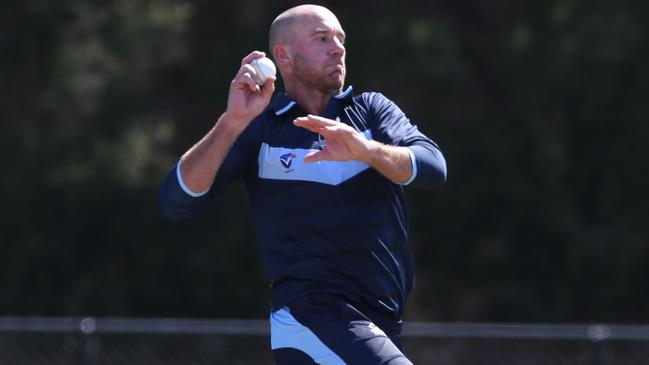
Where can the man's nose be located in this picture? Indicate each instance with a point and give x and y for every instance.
(338, 47)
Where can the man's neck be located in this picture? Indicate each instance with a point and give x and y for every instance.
(311, 100)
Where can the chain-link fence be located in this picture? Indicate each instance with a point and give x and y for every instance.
(104, 341)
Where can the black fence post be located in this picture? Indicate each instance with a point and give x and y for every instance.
(600, 336)
(89, 349)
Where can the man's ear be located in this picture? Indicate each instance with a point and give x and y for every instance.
(282, 56)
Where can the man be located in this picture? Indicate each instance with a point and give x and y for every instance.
(324, 171)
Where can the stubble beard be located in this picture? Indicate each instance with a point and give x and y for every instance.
(316, 77)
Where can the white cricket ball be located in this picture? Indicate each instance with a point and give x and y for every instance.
(264, 67)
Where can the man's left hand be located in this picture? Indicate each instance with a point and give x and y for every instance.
(342, 142)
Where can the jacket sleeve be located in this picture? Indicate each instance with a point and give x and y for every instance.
(177, 201)
(391, 126)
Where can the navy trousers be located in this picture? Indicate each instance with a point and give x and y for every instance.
(325, 329)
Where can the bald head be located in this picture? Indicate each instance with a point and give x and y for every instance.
(281, 30)
(307, 44)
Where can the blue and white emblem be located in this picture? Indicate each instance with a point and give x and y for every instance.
(287, 159)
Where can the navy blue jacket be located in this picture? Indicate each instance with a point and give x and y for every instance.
(332, 227)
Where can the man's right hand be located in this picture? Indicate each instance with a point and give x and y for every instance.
(247, 99)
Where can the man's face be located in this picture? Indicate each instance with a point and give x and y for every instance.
(319, 53)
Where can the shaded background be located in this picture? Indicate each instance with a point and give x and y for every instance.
(539, 106)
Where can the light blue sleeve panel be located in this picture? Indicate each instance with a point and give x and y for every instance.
(176, 201)
(393, 127)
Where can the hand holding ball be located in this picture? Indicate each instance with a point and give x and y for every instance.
(264, 67)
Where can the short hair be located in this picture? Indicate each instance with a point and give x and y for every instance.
(280, 30)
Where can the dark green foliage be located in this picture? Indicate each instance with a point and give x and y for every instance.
(540, 107)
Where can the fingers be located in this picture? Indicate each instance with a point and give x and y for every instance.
(269, 87)
(326, 127)
(315, 156)
(251, 56)
(314, 122)
(246, 79)
(245, 64)
(248, 76)
(344, 143)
